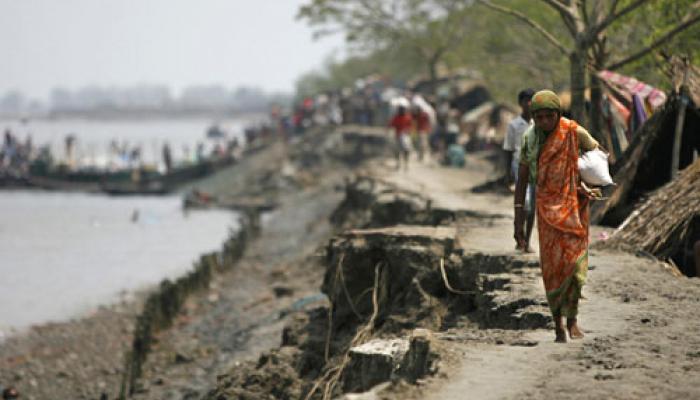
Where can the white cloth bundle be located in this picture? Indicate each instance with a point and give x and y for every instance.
(420, 102)
(593, 167)
(399, 101)
(405, 142)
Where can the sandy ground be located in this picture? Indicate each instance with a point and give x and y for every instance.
(241, 315)
(80, 358)
(639, 320)
(244, 312)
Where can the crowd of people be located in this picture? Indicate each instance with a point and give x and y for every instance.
(20, 159)
(15, 155)
(541, 148)
(427, 126)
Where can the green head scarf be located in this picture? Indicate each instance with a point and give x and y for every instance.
(535, 137)
(545, 100)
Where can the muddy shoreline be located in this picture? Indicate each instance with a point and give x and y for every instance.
(429, 300)
(84, 357)
(399, 285)
(98, 353)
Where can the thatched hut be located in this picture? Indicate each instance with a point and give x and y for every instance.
(646, 163)
(681, 73)
(667, 224)
(470, 98)
(486, 123)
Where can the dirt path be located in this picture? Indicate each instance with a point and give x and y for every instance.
(640, 321)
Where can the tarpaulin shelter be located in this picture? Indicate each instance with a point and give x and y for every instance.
(646, 164)
(627, 104)
(633, 87)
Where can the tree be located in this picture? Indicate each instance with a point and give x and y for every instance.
(429, 28)
(394, 62)
(587, 24)
(509, 56)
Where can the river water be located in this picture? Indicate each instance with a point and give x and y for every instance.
(63, 254)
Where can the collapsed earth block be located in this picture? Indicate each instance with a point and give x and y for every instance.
(374, 362)
(406, 258)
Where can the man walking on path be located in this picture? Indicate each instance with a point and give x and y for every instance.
(421, 122)
(512, 144)
(548, 159)
(514, 134)
(402, 124)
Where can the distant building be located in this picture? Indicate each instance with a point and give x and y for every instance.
(94, 98)
(140, 100)
(12, 103)
(205, 97)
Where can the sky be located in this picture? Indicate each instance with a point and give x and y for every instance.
(74, 43)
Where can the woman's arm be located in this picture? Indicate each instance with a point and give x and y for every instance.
(519, 206)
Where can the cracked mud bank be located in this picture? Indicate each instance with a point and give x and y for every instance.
(371, 283)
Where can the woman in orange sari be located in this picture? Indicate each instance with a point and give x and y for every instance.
(548, 159)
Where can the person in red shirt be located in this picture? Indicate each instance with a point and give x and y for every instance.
(402, 124)
(421, 121)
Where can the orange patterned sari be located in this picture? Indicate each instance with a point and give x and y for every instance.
(562, 221)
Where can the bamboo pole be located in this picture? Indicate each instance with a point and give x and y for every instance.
(683, 104)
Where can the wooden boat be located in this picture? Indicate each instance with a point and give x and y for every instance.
(200, 201)
(135, 188)
(13, 181)
(159, 184)
(124, 182)
(88, 180)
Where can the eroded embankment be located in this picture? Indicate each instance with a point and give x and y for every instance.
(243, 312)
(163, 305)
(390, 284)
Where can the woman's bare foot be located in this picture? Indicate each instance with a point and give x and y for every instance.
(559, 330)
(560, 335)
(574, 330)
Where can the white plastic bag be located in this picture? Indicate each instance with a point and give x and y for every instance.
(405, 143)
(593, 167)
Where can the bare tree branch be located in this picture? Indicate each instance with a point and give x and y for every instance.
(583, 6)
(528, 21)
(612, 17)
(568, 15)
(562, 8)
(613, 7)
(683, 25)
(598, 13)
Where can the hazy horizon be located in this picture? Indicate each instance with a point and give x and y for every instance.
(77, 43)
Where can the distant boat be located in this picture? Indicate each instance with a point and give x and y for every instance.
(153, 187)
(132, 181)
(215, 132)
(165, 183)
(87, 180)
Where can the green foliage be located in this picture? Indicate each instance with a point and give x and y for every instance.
(428, 29)
(643, 28)
(398, 63)
(508, 54)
